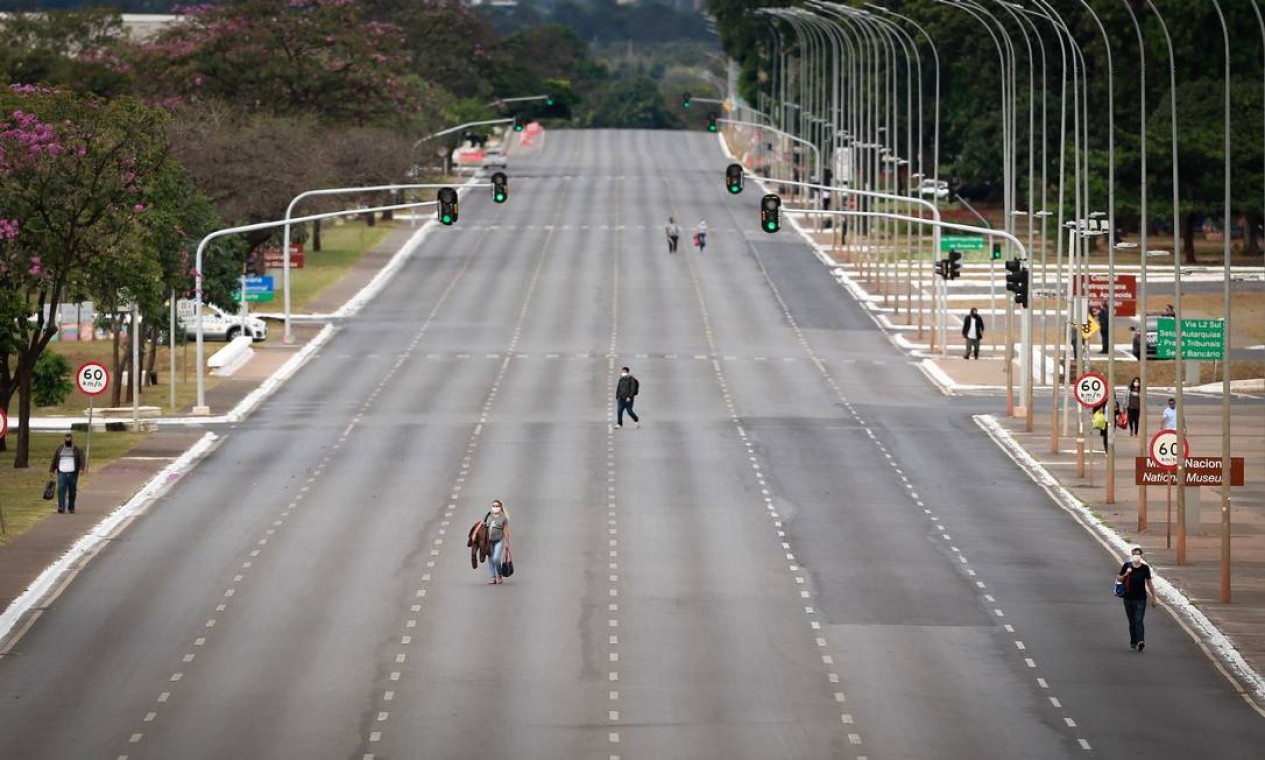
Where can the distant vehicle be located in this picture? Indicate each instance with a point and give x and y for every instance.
(939, 189)
(1152, 337)
(218, 324)
(494, 158)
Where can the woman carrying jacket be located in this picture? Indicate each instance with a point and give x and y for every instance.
(497, 525)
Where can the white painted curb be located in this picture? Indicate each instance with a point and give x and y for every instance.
(1249, 683)
(92, 541)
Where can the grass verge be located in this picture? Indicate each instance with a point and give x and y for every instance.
(21, 490)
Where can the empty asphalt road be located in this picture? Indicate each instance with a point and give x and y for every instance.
(804, 552)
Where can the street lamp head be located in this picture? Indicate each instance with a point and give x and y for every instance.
(1125, 246)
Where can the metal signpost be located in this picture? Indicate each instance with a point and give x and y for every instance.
(92, 378)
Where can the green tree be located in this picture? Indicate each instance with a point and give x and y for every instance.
(51, 382)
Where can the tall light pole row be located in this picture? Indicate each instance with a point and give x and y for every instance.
(839, 71)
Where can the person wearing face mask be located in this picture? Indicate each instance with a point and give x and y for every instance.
(1134, 405)
(1136, 577)
(497, 524)
(68, 462)
(625, 394)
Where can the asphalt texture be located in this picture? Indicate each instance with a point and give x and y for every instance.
(805, 551)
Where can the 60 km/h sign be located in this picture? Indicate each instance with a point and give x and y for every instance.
(1163, 449)
(92, 378)
(1091, 389)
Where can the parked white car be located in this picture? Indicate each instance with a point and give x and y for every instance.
(494, 158)
(938, 189)
(218, 324)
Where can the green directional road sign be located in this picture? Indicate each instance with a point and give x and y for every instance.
(1202, 339)
(961, 243)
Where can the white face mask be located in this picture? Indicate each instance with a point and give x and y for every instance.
(1137, 559)
(496, 510)
(623, 374)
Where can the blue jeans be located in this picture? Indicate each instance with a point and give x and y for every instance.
(496, 550)
(67, 482)
(1135, 610)
(627, 405)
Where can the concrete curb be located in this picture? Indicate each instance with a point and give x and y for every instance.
(57, 575)
(1246, 681)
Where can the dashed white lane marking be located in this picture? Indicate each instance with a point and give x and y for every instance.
(612, 506)
(293, 505)
(894, 464)
(798, 580)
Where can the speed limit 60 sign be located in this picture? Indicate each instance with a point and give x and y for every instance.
(1163, 449)
(1091, 389)
(92, 378)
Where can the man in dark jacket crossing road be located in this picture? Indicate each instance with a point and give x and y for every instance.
(625, 394)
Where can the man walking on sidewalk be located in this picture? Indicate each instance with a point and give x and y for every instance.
(67, 463)
(973, 331)
(673, 233)
(625, 394)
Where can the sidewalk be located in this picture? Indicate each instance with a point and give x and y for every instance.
(1243, 620)
(101, 492)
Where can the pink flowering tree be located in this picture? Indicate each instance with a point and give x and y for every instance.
(74, 175)
(322, 58)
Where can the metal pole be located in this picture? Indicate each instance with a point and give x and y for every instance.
(1225, 335)
(171, 350)
(136, 365)
(201, 407)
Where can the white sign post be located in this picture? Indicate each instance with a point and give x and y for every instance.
(92, 378)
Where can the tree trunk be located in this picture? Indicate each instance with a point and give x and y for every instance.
(1188, 240)
(22, 455)
(116, 362)
(316, 235)
(1251, 240)
(151, 360)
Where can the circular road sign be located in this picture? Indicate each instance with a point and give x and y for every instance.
(4, 423)
(92, 378)
(1091, 389)
(1163, 449)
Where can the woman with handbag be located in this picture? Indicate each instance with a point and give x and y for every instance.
(1134, 404)
(497, 524)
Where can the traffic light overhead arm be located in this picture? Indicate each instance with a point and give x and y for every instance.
(460, 127)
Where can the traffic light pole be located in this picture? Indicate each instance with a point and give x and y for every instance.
(285, 240)
(460, 127)
(201, 407)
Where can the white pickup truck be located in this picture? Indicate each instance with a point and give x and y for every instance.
(218, 324)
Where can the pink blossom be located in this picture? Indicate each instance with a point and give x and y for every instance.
(36, 268)
(138, 208)
(9, 229)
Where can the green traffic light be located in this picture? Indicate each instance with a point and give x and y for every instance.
(771, 226)
(446, 219)
(735, 189)
(499, 197)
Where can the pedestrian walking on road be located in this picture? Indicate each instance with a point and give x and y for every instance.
(1134, 405)
(497, 524)
(700, 236)
(1136, 577)
(1169, 420)
(625, 394)
(67, 462)
(973, 331)
(673, 234)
